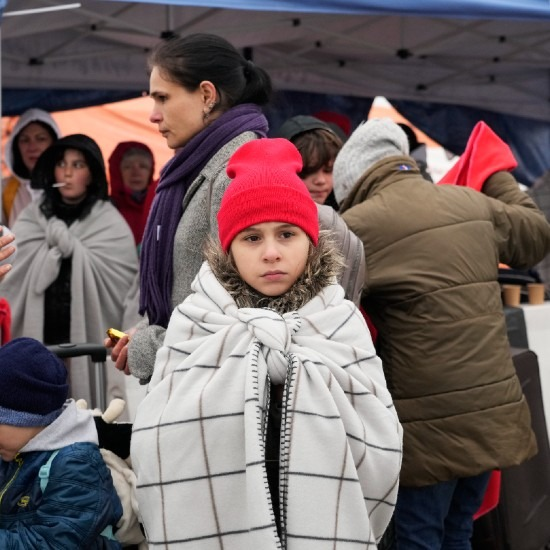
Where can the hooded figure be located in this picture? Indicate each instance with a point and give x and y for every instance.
(34, 132)
(131, 168)
(76, 257)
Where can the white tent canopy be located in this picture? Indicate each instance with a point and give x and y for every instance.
(368, 49)
(438, 62)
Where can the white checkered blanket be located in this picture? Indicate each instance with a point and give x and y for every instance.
(198, 439)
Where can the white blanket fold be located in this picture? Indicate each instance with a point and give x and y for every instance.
(198, 440)
(104, 264)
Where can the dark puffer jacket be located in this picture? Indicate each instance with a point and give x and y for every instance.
(75, 507)
(58, 492)
(432, 255)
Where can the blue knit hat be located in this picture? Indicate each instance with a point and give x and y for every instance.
(33, 385)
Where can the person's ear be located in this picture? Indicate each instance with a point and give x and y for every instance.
(209, 94)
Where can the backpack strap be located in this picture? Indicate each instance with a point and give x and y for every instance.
(44, 475)
(108, 533)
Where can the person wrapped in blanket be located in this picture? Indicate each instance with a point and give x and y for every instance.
(76, 257)
(267, 423)
(55, 489)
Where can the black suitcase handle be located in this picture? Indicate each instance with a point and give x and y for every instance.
(97, 352)
(98, 355)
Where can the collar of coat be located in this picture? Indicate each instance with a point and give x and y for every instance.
(387, 171)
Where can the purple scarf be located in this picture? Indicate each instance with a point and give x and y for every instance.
(156, 260)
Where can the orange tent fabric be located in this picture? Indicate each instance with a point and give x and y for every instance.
(110, 124)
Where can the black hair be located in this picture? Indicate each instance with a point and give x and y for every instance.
(189, 60)
(43, 175)
(18, 166)
(411, 136)
(318, 148)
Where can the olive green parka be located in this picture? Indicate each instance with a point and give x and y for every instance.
(431, 289)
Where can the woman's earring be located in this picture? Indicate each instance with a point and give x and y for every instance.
(207, 110)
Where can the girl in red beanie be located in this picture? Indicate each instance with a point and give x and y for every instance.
(267, 423)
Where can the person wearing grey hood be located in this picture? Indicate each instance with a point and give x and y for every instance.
(33, 133)
(57, 491)
(431, 289)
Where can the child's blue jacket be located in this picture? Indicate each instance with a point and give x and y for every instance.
(76, 505)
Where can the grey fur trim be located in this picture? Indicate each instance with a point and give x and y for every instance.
(325, 263)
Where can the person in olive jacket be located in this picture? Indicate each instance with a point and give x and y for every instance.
(431, 289)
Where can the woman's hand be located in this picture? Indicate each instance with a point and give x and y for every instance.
(6, 250)
(119, 351)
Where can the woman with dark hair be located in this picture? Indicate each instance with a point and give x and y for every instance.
(34, 132)
(207, 103)
(76, 257)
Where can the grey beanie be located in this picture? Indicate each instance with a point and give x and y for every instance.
(372, 141)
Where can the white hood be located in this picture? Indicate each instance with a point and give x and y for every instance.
(31, 115)
(73, 425)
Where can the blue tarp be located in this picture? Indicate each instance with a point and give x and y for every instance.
(17, 100)
(451, 126)
(492, 9)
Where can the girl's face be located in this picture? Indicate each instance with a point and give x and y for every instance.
(319, 183)
(178, 112)
(270, 256)
(73, 170)
(32, 141)
(135, 170)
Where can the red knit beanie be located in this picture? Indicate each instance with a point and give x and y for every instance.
(266, 188)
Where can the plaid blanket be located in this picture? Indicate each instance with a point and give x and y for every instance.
(198, 437)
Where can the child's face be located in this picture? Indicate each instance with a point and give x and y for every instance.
(270, 256)
(14, 438)
(319, 183)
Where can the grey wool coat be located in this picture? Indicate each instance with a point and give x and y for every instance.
(201, 204)
(431, 287)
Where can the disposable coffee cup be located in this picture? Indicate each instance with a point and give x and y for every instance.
(511, 295)
(536, 293)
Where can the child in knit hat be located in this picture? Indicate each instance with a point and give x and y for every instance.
(318, 143)
(267, 422)
(55, 489)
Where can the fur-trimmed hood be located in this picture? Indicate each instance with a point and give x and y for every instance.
(324, 265)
